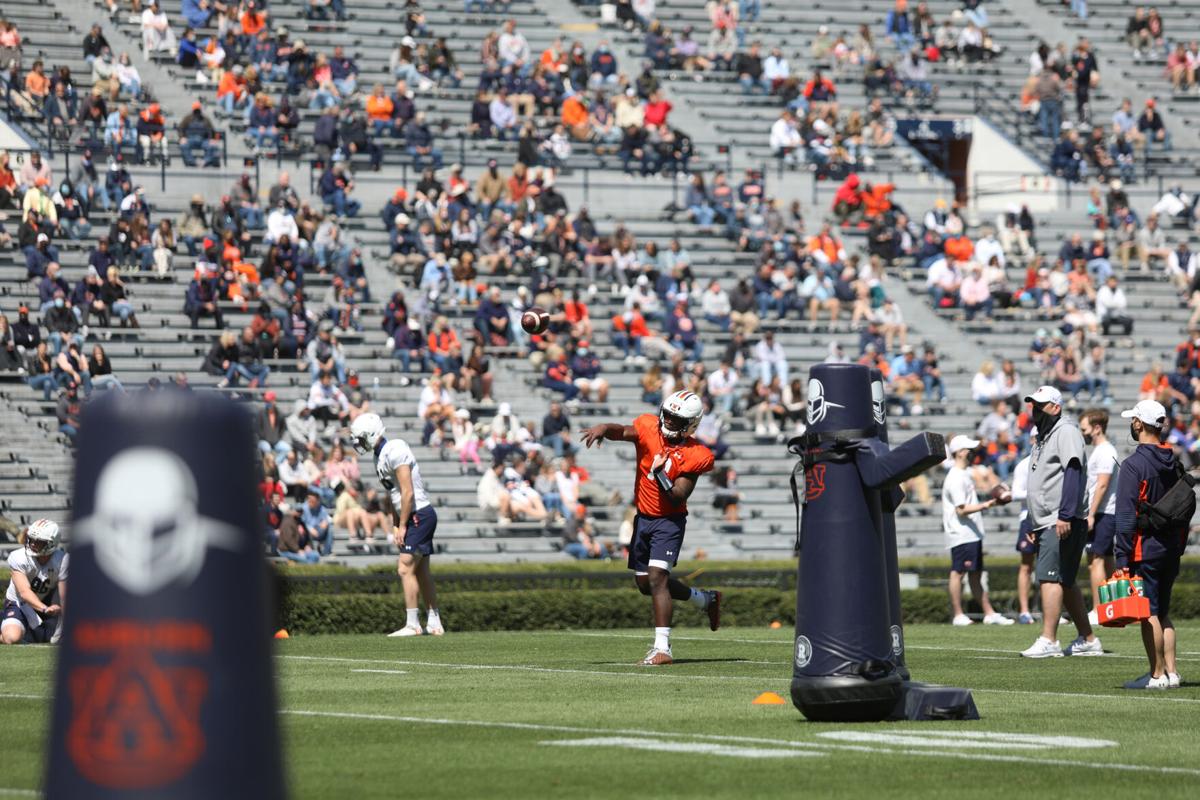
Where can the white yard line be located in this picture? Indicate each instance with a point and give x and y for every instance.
(5, 790)
(635, 671)
(383, 671)
(800, 745)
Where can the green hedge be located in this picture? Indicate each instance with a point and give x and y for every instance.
(556, 609)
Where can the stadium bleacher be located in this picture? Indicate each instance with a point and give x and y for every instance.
(729, 130)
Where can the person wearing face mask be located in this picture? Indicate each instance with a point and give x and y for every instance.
(1058, 506)
(26, 334)
(1150, 553)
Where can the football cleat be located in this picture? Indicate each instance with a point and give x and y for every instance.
(1173, 680)
(657, 658)
(714, 610)
(407, 630)
(435, 630)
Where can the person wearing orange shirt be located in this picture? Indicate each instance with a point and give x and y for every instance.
(37, 85)
(252, 21)
(379, 111)
(959, 248)
(231, 90)
(669, 462)
(575, 117)
(877, 200)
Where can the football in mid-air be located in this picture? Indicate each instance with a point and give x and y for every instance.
(1002, 494)
(535, 320)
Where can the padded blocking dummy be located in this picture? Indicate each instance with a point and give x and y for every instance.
(165, 686)
(844, 668)
(889, 502)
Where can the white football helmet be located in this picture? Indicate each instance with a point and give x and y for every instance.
(42, 537)
(679, 415)
(366, 431)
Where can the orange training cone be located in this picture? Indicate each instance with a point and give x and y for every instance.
(768, 699)
(282, 634)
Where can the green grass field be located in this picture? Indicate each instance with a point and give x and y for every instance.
(502, 715)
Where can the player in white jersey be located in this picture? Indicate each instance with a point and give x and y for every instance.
(413, 518)
(1026, 541)
(37, 589)
(1102, 468)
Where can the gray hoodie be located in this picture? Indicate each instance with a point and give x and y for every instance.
(1047, 467)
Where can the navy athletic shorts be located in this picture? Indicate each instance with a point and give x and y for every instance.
(1158, 579)
(38, 635)
(967, 557)
(1026, 543)
(1100, 537)
(656, 542)
(418, 536)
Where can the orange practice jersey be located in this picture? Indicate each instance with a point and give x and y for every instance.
(688, 458)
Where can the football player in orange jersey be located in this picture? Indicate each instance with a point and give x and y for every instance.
(669, 461)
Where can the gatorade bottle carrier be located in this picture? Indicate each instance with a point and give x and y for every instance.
(1126, 601)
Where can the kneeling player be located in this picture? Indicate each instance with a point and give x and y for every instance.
(37, 590)
(669, 461)
(413, 518)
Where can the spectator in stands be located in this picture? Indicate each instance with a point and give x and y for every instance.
(985, 386)
(491, 495)
(156, 30)
(317, 522)
(586, 368)
(556, 430)
(771, 359)
(1152, 128)
(1048, 93)
(974, 295)
(418, 140)
(558, 376)
(68, 410)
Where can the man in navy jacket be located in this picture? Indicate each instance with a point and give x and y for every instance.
(1145, 476)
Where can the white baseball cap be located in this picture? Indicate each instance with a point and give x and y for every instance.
(1150, 412)
(1045, 394)
(961, 442)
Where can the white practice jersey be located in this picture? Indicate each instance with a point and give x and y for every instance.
(43, 578)
(397, 453)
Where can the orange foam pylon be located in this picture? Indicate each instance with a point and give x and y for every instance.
(769, 699)
(776, 625)
(282, 634)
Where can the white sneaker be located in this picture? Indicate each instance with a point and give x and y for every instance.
(1173, 680)
(996, 618)
(1147, 682)
(1093, 617)
(962, 620)
(407, 630)
(760, 430)
(1043, 648)
(1082, 647)
(435, 630)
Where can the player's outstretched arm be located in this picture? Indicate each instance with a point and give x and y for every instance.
(611, 431)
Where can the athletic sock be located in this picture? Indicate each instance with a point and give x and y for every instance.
(662, 638)
(413, 620)
(700, 598)
(433, 620)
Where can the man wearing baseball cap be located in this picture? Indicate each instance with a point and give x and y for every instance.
(962, 523)
(1058, 507)
(1151, 553)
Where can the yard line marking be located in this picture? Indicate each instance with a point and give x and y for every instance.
(634, 672)
(1154, 697)
(4, 790)
(631, 743)
(978, 740)
(10, 696)
(529, 726)
(383, 671)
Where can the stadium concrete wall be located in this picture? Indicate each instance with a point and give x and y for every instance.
(1000, 174)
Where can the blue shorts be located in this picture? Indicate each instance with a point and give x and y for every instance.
(656, 542)
(1158, 579)
(1026, 544)
(967, 557)
(39, 635)
(418, 534)
(1100, 538)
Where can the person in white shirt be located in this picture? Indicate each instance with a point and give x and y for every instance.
(1026, 541)
(1102, 467)
(722, 387)
(786, 142)
(1111, 307)
(776, 69)
(512, 46)
(280, 223)
(984, 386)
(962, 524)
(414, 520)
(37, 588)
(891, 324)
(156, 31)
(715, 306)
(989, 246)
(771, 358)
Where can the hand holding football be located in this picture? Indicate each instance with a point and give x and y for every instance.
(1002, 494)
